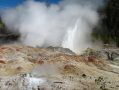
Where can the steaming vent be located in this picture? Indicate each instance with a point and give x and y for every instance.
(67, 24)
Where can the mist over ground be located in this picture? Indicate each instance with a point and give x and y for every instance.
(67, 24)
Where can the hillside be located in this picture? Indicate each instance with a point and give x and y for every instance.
(7, 36)
(28, 68)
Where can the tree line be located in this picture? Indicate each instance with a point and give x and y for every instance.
(108, 28)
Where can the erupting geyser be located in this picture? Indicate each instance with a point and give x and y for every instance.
(69, 40)
(68, 23)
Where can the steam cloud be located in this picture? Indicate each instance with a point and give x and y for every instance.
(67, 24)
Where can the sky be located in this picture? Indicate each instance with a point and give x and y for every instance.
(13, 3)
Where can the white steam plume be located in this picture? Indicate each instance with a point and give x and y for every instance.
(66, 24)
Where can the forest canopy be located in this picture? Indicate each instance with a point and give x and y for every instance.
(108, 28)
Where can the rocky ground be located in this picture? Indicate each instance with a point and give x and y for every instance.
(27, 68)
